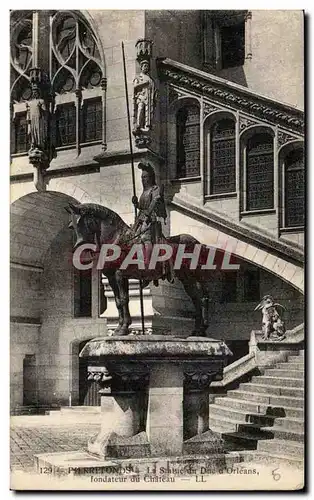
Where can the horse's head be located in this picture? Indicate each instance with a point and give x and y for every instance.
(83, 222)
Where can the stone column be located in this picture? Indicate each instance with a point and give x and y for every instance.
(197, 379)
(164, 426)
(121, 401)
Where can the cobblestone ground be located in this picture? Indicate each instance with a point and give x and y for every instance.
(25, 442)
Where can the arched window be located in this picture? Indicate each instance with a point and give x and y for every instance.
(64, 47)
(259, 170)
(221, 160)
(188, 141)
(76, 75)
(294, 189)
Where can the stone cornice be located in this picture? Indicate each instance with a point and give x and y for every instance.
(231, 94)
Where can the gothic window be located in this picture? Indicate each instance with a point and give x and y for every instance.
(65, 124)
(188, 141)
(20, 133)
(294, 189)
(92, 120)
(232, 45)
(260, 172)
(64, 47)
(222, 157)
(21, 56)
(75, 69)
(225, 41)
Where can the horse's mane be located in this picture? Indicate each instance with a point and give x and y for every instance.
(104, 213)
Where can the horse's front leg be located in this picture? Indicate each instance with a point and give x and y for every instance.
(114, 285)
(123, 286)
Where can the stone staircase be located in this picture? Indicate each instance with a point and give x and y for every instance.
(265, 414)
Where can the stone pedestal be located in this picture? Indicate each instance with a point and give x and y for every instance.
(164, 425)
(158, 392)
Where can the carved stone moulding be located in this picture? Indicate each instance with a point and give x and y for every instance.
(198, 377)
(284, 138)
(174, 94)
(270, 111)
(210, 108)
(116, 377)
(246, 122)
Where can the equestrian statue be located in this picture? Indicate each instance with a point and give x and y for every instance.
(99, 225)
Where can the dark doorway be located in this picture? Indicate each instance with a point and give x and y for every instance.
(29, 380)
(88, 390)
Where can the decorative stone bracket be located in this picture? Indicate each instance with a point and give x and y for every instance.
(115, 378)
(199, 378)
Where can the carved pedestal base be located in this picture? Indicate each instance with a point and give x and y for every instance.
(154, 406)
(154, 393)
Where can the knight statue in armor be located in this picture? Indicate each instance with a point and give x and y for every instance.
(152, 213)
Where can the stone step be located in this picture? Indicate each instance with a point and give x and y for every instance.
(284, 434)
(276, 428)
(274, 372)
(80, 409)
(294, 424)
(267, 399)
(280, 446)
(288, 365)
(272, 389)
(241, 440)
(266, 458)
(282, 381)
(295, 355)
(271, 432)
(219, 413)
(226, 427)
(255, 407)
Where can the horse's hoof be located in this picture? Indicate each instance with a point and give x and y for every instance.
(124, 331)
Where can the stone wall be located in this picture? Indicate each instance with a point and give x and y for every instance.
(276, 67)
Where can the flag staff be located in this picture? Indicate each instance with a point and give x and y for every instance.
(133, 173)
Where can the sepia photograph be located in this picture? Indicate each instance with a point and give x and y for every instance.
(157, 218)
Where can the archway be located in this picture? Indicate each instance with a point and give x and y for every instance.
(37, 220)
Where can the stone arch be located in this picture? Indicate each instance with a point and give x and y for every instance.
(217, 115)
(290, 272)
(87, 16)
(289, 146)
(36, 219)
(248, 132)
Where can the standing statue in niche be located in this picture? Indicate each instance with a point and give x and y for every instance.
(37, 119)
(39, 109)
(145, 96)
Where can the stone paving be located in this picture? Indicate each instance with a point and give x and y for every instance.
(26, 441)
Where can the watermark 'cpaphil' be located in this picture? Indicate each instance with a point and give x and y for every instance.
(202, 257)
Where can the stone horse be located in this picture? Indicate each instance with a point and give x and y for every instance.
(99, 225)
